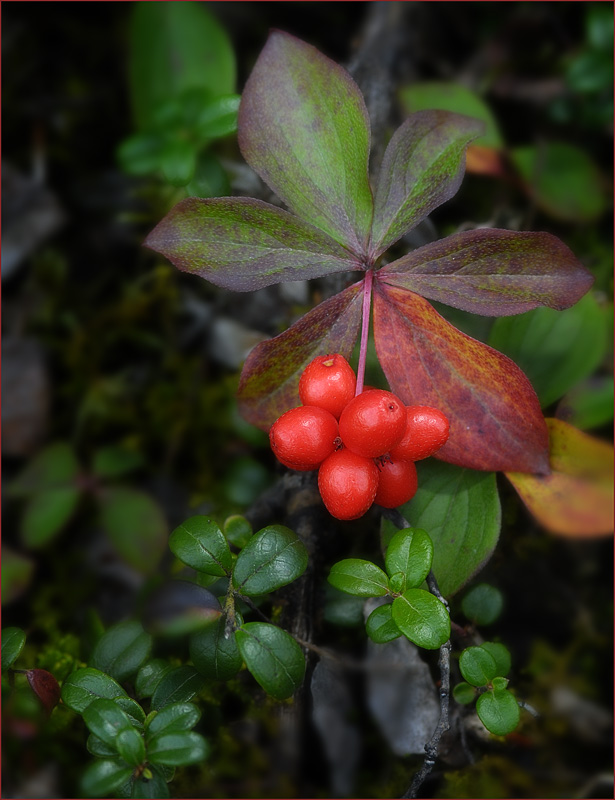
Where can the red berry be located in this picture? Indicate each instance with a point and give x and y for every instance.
(426, 431)
(328, 382)
(372, 423)
(397, 483)
(348, 484)
(303, 437)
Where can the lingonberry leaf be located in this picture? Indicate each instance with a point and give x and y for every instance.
(153, 785)
(13, 640)
(133, 711)
(576, 499)
(214, 654)
(380, 626)
(150, 675)
(177, 686)
(177, 749)
(303, 126)
(273, 657)
(422, 168)
(45, 687)
(410, 552)
(493, 272)
(106, 720)
(483, 604)
(200, 543)
(102, 778)
(501, 656)
(498, 710)
(422, 618)
(270, 378)
(131, 747)
(464, 693)
(495, 416)
(359, 577)
(122, 649)
(244, 244)
(87, 684)
(477, 666)
(274, 557)
(173, 718)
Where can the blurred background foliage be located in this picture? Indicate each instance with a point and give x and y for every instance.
(119, 373)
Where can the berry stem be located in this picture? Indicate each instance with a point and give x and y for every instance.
(367, 299)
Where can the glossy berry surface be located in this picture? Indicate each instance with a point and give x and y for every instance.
(303, 437)
(426, 431)
(372, 423)
(328, 382)
(397, 483)
(348, 484)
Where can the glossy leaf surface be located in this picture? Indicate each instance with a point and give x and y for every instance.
(498, 710)
(102, 778)
(576, 499)
(87, 684)
(200, 543)
(493, 272)
(380, 626)
(274, 557)
(422, 168)
(13, 640)
(477, 666)
(461, 510)
(121, 650)
(131, 747)
(150, 675)
(273, 657)
(359, 577)
(106, 720)
(303, 127)
(177, 749)
(422, 618)
(173, 718)
(214, 655)
(45, 687)
(154, 787)
(270, 378)
(244, 244)
(177, 686)
(495, 416)
(410, 552)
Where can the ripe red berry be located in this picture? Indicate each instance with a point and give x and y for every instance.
(303, 437)
(397, 483)
(372, 423)
(328, 382)
(348, 484)
(426, 431)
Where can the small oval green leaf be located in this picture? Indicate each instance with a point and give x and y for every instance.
(501, 656)
(106, 720)
(122, 649)
(237, 530)
(133, 711)
(273, 657)
(13, 640)
(410, 552)
(499, 683)
(214, 655)
(464, 693)
(151, 785)
(274, 557)
(477, 666)
(102, 778)
(150, 675)
(200, 543)
(177, 749)
(498, 711)
(177, 686)
(86, 685)
(46, 513)
(131, 747)
(173, 718)
(380, 625)
(483, 604)
(359, 577)
(99, 748)
(422, 618)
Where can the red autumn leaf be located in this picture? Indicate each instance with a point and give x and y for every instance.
(494, 413)
(46, 688)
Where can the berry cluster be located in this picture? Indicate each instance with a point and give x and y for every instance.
(363, 446)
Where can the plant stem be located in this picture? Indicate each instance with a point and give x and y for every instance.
(367, 299)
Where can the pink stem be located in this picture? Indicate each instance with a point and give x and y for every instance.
(367, 299)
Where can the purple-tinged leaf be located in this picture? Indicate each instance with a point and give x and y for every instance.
(270, 378)
(46, 688)
(303, 127)
(422, 168)
(244, 244)
(493, 272)
(494, 413)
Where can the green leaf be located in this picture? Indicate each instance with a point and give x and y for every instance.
(492, 272)
(273, 657)
(180, 607)
(154, 787)
(464, 693)
(54, 467)
(555, 349)
(218, 117)
(498, 711)
(380, 625)
(237, 530)
(178, 161)
(141, 154)
(269, 383)
(483, 604)
(477, 666)
(303, 127)
(177, 749)
(214, 655)
(589, 405)
(122, 650)
(410, 552)
(397, 583)
(243, 244)
(175, 47)
(106, 720)
(99, 748)
(150, 675)
(274, 557)
(422, 168)
(17, 571)
(501, 656)
(453, 97)
(563, 180)
(200, 543)
(115, 461)
(13, 640)
(132, 709)
(86, 685)
(136, 526)
(499, 683)
(461, 510)
(173, 718)
(102, 778)
(359, 577)
(46, 513)
(422, 618)
(177, 686)
(130, 746)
